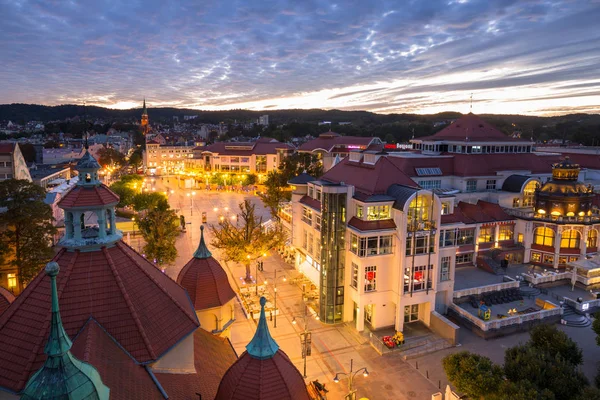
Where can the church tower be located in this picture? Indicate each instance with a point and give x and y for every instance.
(144, 123)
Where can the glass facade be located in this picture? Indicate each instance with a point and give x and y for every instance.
(333, 225)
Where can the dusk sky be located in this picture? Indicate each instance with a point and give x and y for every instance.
(423, 56)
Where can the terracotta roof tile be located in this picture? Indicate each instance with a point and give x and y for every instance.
(481, 212)
(274, 378)
(472, 127)
(6, 148)
(81, 196)
(138, 305)
(312, 203)
(371, 225)
(206, 282)
(368, 178)
(6, 297)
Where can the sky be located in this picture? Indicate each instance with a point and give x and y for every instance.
(420, 56)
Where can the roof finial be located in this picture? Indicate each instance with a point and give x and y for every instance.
(202, 251)
(262, 345)
(62, 375)
(87, 146)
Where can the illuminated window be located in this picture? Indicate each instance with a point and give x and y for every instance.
(375, 213)
(419, 209)
(536, 257)
(354, 281)
(465, 236)
(592, 239)
(370, 278)
(548, 259)
(317, 222)
(485, 234)
(415, 281)
(445, 208)
(307, 215)
(570, 239)
(12, 280)
(529, 193)
(506, 232)
(359, 211)
(520, 238)
(543, 236)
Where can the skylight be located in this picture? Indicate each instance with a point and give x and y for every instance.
(428, 171)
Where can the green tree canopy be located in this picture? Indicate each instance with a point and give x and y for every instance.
(27, 227)
(160, 228)
(149, 200)
(550, 339)
(245, 241)
(109, 156)
(472, 374)
(126, 188)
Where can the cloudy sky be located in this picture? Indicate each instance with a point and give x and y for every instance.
(424, 56)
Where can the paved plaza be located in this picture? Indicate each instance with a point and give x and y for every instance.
(333, 346)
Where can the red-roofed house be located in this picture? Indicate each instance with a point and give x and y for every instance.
(330, 145)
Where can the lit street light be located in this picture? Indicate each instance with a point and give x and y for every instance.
(351, 391)
(275, 290)
(191, 196)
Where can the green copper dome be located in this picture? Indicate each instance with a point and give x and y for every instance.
(262, 345)
(202, 251)
(63, 376)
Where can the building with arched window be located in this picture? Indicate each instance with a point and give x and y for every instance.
(380, 235)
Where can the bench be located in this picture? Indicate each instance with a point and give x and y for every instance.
(314, 393)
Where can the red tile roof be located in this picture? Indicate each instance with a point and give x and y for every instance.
(6, 297)
(81, 196)
(6, 148)
(489, 164)
(206, 282)
(371, 225)
(274, 378)
(472, 127)
(312, 203)
(129, 380)
(481, 212)
(138, 305)
(369, 178)
(213, 356)
(125, 378)
(327, 141)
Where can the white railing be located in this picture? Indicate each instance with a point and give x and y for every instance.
(499, 323)
(485, 289)
(584, 306)
(536, 279)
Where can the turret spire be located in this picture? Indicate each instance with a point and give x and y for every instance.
(62, 375)
(144, 111)
(262, 345)
(202, 251)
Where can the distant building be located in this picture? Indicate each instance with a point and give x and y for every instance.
(330, 144)
(12, 163)
(263, 120)
(259, 157)
(165, 159)
(144, 125)
(49, 175)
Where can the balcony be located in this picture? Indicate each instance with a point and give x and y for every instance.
(417, 226)
(529, 214)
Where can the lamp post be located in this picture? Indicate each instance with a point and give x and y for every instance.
(351, 391)
(275, 294)
(191, 196)
(259, 267)
(305, 337)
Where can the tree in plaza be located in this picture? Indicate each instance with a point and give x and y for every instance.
(150, 200)
(135, 160)
(276, 187)
(548, 338)
(245, 241)
(109, 156)
(596, 327)
(27, 227)
(160, 228)
(472, 374)
(126, 188)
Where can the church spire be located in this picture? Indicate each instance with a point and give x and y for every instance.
(202, 251)
(62, 375)
(262, 345)
(144, 111)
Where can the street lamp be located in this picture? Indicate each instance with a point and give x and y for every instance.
(275, 290)
(191, 196)
(305, 337)
(351, 391)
